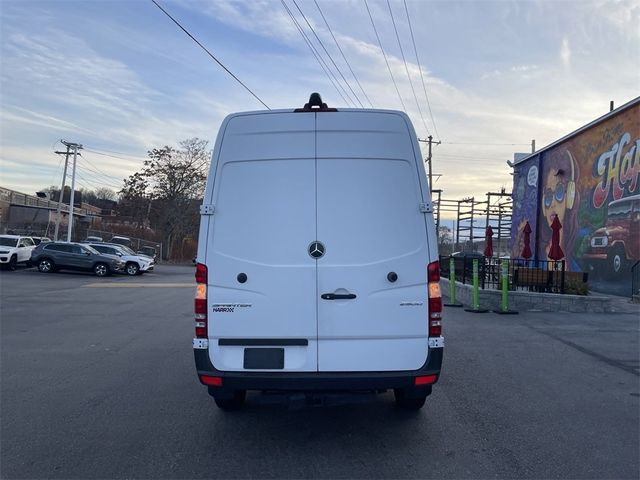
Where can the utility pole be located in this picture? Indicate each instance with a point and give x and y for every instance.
(64, 176)
(76, 147)
(429, 158)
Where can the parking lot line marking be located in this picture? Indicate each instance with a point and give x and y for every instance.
(140, 285)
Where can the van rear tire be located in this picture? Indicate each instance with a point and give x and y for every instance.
(406, 399)
(231, 403)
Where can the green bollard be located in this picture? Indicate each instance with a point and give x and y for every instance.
(452, 285)
(504, 309)
(476, 304)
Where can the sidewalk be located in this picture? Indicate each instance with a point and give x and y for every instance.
(620, 304)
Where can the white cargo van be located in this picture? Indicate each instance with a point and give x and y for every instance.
(317, 258)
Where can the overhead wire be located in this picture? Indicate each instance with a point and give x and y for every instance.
(315, 53)
(342, 53)
(424, 88)
(210, 54)
(406, 67)
(111, 153)
(96, 179)
(468, 157)
(489, 144)
(385, 56)
(53, 175)
(113, 156)
(330, 58)
(97, 170)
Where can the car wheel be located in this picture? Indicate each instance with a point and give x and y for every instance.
(617, 260)
(406, 402)
(132, 268)
(46, 266)
(234, 403)
(101, 270)
(13, 262)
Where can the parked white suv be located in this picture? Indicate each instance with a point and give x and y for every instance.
(134, 264)
(318, 258)
(15, 249)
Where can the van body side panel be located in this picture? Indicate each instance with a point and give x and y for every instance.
(369, 219)
(264, 197)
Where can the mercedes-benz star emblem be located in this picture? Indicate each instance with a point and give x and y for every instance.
(316, 249)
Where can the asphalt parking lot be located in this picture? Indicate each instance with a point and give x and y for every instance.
(98, 381)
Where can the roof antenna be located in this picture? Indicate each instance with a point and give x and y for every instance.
(315, 100)
(315, 104)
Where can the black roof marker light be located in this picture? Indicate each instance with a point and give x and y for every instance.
(315, 105)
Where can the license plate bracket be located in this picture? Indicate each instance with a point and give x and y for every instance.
(263, 358)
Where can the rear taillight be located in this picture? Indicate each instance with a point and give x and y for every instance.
(211, 381)
(435, 299)
(200, 304)
(425, 380)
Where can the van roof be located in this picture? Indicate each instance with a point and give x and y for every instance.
(338, 110)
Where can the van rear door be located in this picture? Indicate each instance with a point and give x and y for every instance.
(368, 218)
(263, 220)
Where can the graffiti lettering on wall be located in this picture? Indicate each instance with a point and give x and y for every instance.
(617, 172)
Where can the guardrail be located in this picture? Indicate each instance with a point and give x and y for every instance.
(530, 275)
(23, 199)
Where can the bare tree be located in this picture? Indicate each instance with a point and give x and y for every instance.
(105, 193)
(170, 185)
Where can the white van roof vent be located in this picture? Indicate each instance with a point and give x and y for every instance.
(315, 105)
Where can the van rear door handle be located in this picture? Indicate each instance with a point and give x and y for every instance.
(338, 296)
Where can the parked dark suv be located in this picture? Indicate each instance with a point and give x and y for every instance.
(53, 256)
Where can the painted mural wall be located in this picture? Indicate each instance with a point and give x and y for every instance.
(592, 183)
(525, 204)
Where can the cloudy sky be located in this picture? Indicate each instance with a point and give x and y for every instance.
(121, 78)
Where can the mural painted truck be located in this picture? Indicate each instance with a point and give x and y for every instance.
(617, 244)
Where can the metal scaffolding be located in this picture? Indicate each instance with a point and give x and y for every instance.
(472, 218)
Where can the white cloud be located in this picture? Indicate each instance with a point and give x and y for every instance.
(259, 17)
(565, 53)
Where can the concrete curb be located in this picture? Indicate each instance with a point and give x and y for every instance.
(532, 301)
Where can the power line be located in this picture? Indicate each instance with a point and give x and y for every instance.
(210, 54)
(330, 57)
(424, 88)
(84, 182)
(53, 175)
(342, 53)
(97, 179)
(490, 144)
(128, 155)
(103, 181)
(468, 157)
(114, 156)
(315, 53)
(384, 55)
(98, 171)
(407, 69)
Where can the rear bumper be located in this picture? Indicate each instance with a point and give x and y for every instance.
(317, 381)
